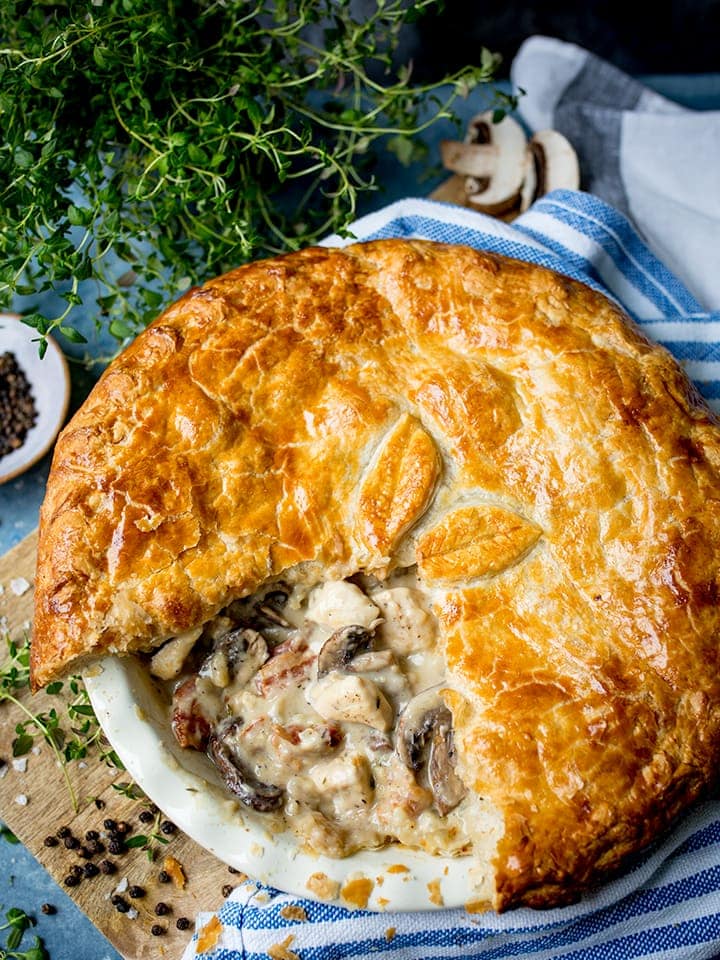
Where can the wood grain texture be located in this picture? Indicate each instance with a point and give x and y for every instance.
(49, 807)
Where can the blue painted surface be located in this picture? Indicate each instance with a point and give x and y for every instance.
(68, 935)
(23, 882)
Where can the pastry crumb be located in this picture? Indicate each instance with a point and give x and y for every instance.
(282, 951)
(357, 892)
(174, 868)
(434, 894)
(390, 934)
(209, 935)
(477, 906)
(293, 911)
(322, 886)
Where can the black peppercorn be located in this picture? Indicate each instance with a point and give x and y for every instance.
(227, 889)
(90, 870)
(51, 841)
(162, 909)
(107, 866)
(136, 892)
(164, 877)
(96, 846)
(99, 804)
(85, 852)
(17, 407)
(64, 832)
(233, 870)
(123, 828)
(71, 881)
(157, 930)
(168, 827)
(109, 824)
(146, 817)
(92, 835)
(72, 843)
(48, 909)
(76, 870)
(182, 923)
(116, 847)
(122, 906)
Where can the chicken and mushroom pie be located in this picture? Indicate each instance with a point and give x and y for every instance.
(424, 542)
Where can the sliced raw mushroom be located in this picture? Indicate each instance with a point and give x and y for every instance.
(236, 657)
(341, 647)
(551, 164)
(468, 159)
(263, 797)
(503, 143)
(425, 736)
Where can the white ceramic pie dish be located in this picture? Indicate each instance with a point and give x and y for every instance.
(50, 384)
(184, 784)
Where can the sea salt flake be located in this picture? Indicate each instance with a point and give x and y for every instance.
(122, 886)
(19, 586)
(20, 764)
(132, 914)
(21, 800)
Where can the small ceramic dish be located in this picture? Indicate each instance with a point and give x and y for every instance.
(49, 380)
(184, 784)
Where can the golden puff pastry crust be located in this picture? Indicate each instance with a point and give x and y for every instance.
(552, 473)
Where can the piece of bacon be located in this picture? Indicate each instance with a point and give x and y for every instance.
(189, 723)
(283, 670)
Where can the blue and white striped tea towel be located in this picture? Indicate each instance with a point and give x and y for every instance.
(668, 905)
(653, 160)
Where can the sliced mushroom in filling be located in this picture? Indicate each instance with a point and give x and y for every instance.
(323, 707)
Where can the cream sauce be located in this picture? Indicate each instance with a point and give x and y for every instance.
(326, 742)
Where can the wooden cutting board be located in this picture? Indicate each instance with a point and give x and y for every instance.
(49, 808)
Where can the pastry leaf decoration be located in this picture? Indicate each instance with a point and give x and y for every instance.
(476, 541)
(398, 488)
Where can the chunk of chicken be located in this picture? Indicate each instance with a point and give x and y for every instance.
(346, 783)
(351, 698)
(168, 661)
(407, 625)
(338, 604)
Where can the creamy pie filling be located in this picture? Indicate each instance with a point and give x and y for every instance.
(322, 707)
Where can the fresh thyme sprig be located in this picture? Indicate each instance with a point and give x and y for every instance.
(148, 144)
(152, 841)
(71, 732)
